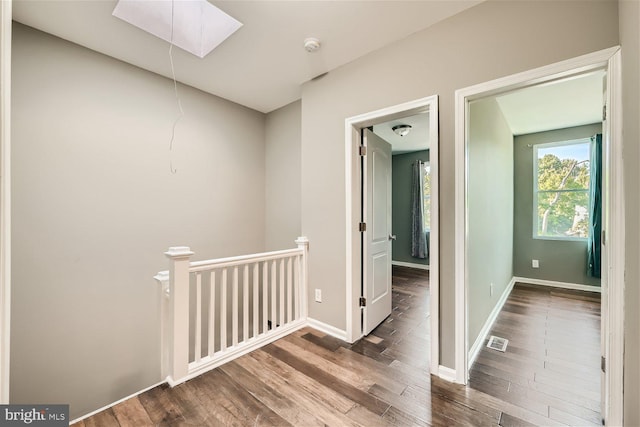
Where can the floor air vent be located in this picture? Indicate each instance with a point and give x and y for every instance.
(497, 343)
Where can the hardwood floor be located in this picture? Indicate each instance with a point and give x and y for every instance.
(548, 376)
(552, 363)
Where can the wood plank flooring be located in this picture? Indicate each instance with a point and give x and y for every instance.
(548, 376)
(552, 364)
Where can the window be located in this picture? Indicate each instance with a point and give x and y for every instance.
(427, 197)
(561, 190)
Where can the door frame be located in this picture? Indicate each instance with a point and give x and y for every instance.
(5, 196)
(608, 59)
(353, 126)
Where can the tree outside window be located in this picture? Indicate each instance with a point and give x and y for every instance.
(561, 190)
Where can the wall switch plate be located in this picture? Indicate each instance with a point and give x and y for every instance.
(318, 295)
(491, 289)
(535, 263)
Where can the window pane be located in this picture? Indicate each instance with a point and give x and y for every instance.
(563, 214)
(562, 190)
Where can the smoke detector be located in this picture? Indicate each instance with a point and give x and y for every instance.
(311, 44)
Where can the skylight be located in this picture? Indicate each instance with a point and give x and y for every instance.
(196, 26)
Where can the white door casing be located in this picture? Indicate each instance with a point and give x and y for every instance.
(353, 130)
(604, 279)
(377, 236)
(5, 196)
(613, 213)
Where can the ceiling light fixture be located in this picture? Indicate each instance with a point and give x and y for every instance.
(401, 130)
(311, 44)
(196, 26)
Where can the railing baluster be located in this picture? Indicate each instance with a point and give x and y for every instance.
(273, 284)
(278, 278)
(296, 276)
(245, 303)
(198, 329)
(281, 305)
(256, 300)
(223, 310)
(212, 313)
(234, 305)
(289, 289)
(265, 296)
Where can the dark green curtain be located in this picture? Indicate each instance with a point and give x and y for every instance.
(418, 237)
(595, 207)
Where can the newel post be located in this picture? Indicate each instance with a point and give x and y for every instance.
(303, 243)
(179, 312)
(165, 337)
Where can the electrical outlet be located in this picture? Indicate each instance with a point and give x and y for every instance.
(491, 289)
(318, 295)
(535, 263)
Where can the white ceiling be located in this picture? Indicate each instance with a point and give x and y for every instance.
(560, 104)
(417, 139)
(263, 64)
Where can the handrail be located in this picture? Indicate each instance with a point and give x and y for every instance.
(242, 259)
(216, 310)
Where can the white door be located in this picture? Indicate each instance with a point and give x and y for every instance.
(604, 256)
(377, 237)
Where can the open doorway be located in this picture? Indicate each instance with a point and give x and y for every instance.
(358, 263)
(468, 328)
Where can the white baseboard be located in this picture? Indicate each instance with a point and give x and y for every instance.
(554, 284)
(231, 355)
(479, 342)
(447, 374)
(410, 265)
(327, 329)
(207, 363)
(104, 408)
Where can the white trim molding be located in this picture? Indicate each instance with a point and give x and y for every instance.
(111, 405)
(479, 342)
(554, 284)
(312, 323)
(615, 247)
(447, 374)
(5, 197)
(327, 329)
(609, 60)
(196, 369)
(353, 127)
(410, 265)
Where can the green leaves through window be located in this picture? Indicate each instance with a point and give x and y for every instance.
(561, 190)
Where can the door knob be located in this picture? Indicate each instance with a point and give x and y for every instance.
(392, 237)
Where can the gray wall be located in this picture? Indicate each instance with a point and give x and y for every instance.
(282, 180)
(95, 206)
(490, 40)
(630, 43)
(490, 211)
(560, 260)
(401, 210)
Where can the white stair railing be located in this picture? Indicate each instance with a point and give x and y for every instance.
(217, 310)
